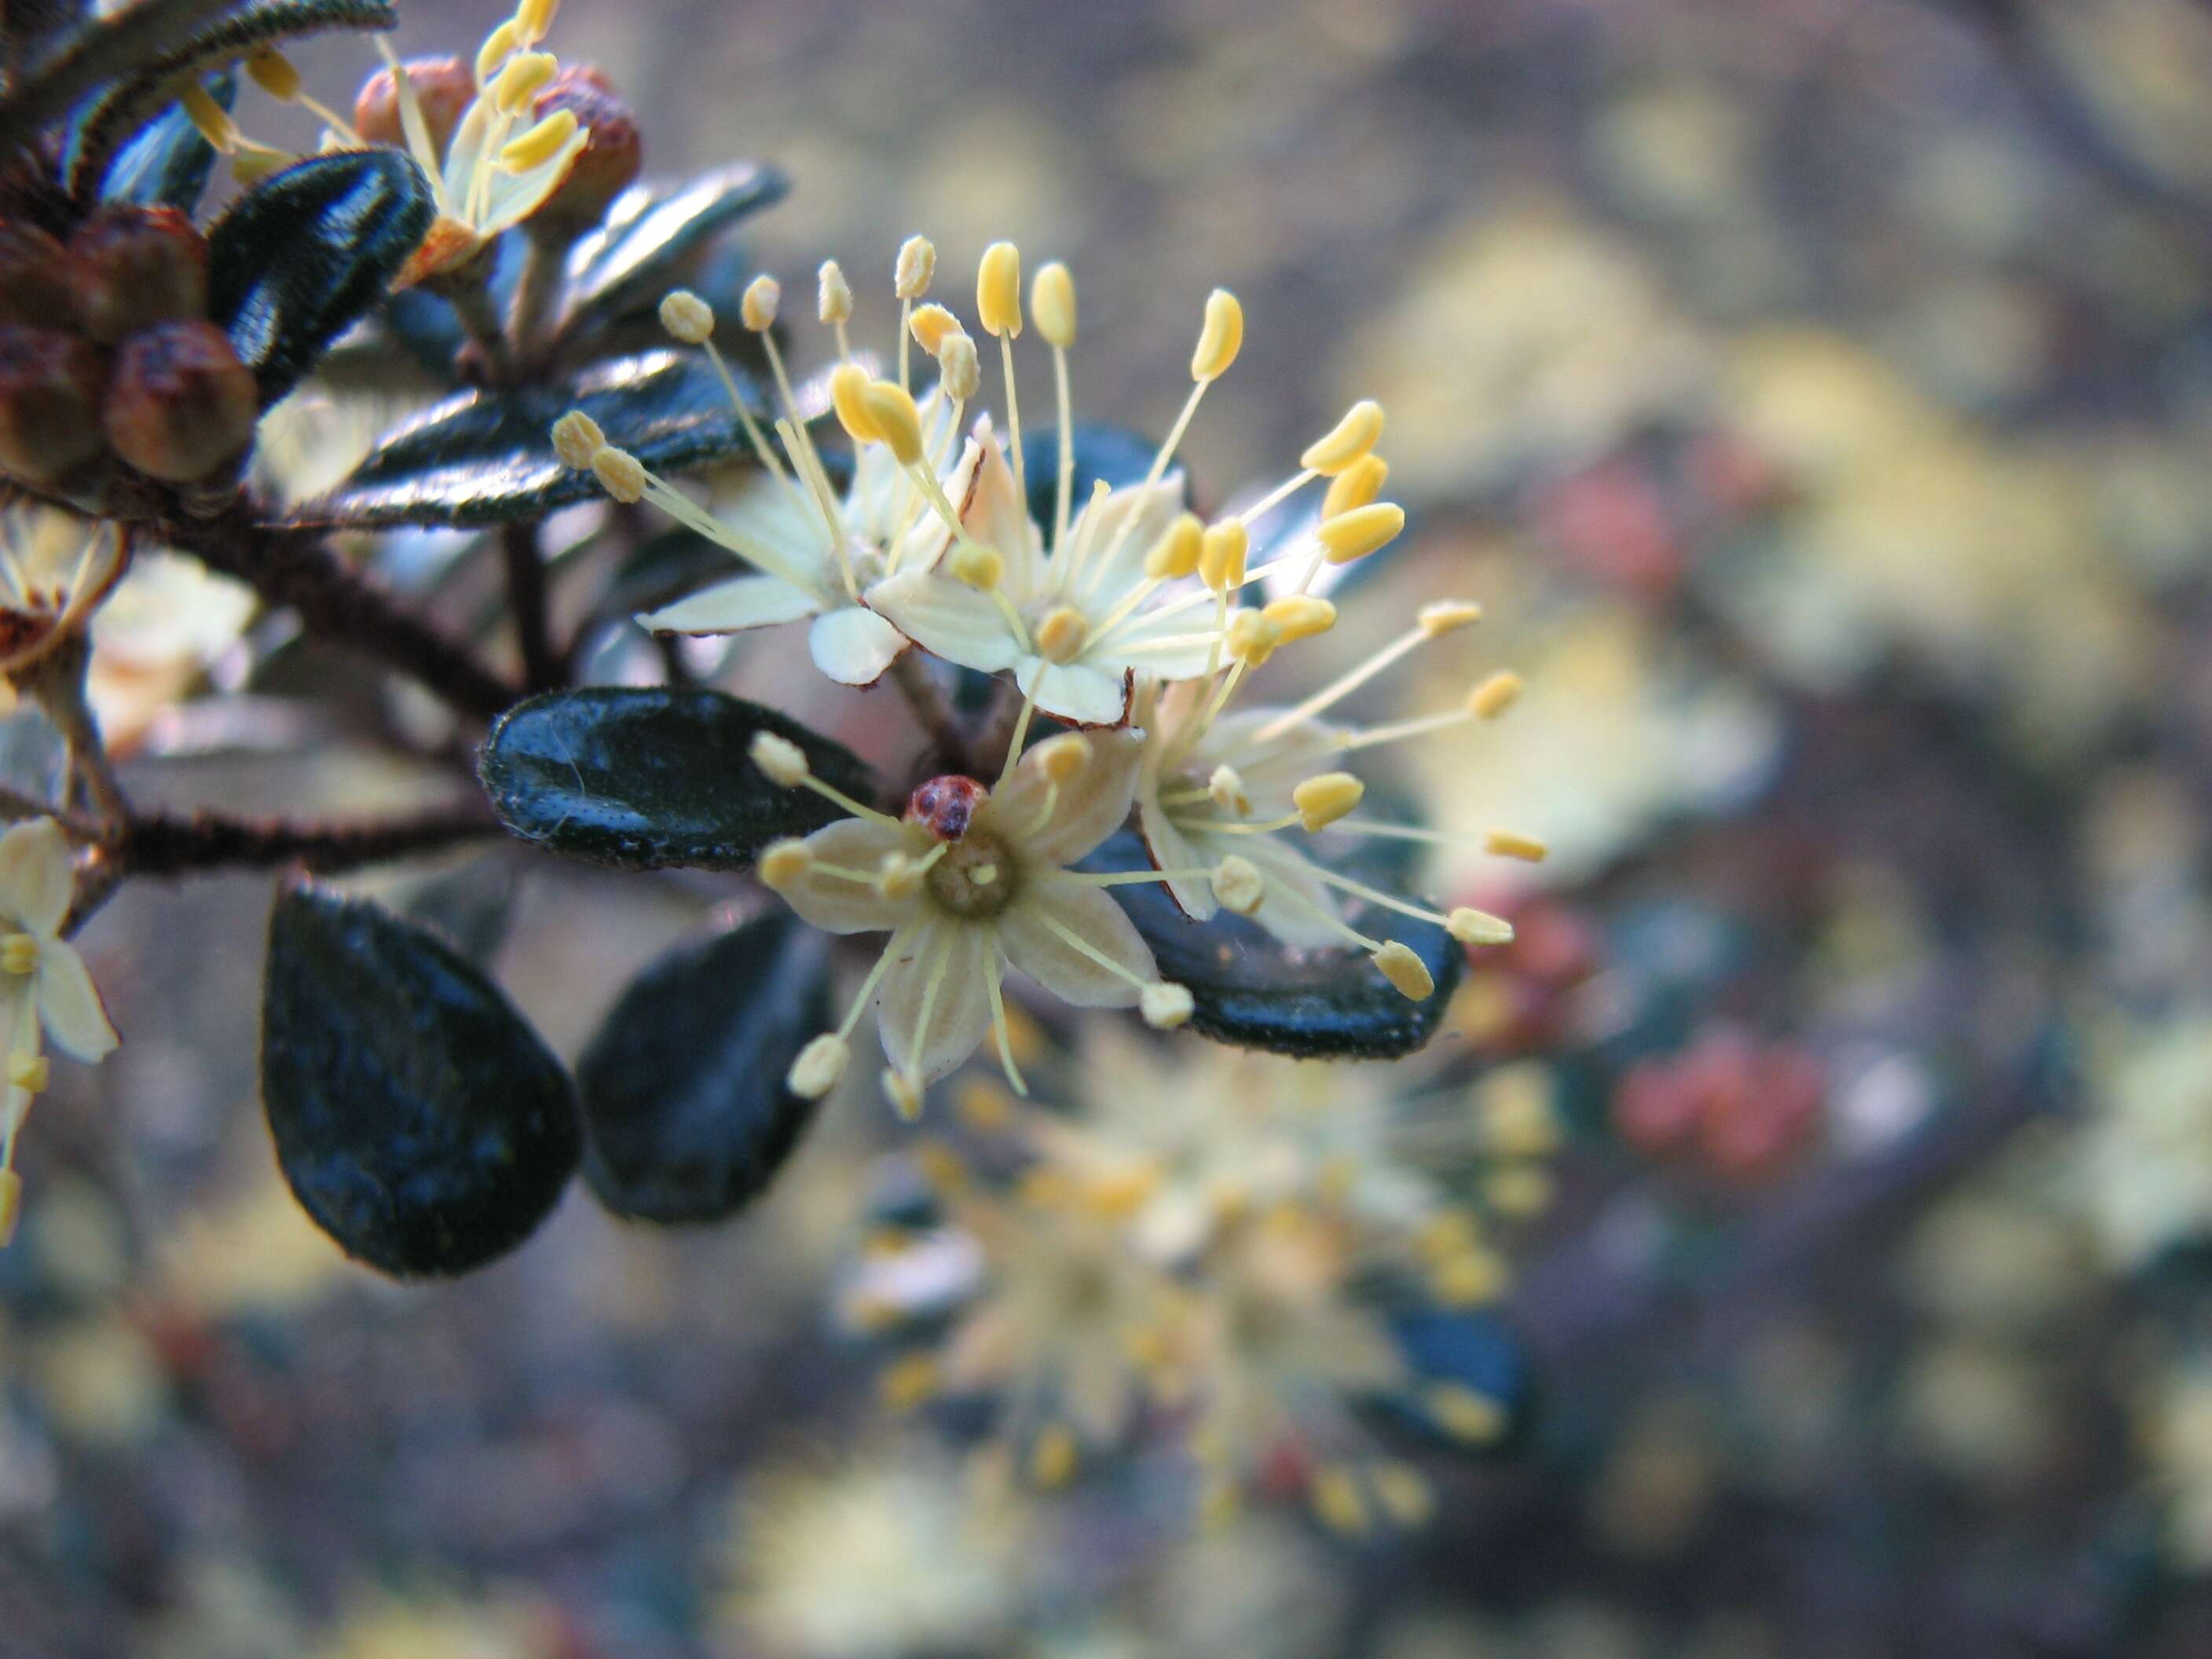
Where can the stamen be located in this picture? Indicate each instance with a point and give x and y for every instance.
(1177, 552)
(999, 307)
(784, 762)
(834, 303)
(691, 319)
(1225, 789)
(782, 863)
(1347, 442)
(1003, 1033)
(909, 1102)
(1405, 971)
(930, 325)
(1354, 535)
(1062, 634)
(1494, 696)
(817, 1068)
(1299, 617)
(1326, 917)
(758, 307)
(1510, 844)
(539, 144)
(1346, 685)
(577, 438)
(1239, 885)
(897, 943)
(620, 473)
(1356, 486)
(848, 387)
(1322, 800)
(910, 277)
(1075, 941)
(1052, 303)
(1021, 730)
(1166, 1006)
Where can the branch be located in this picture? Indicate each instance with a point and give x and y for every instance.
(169, 844)
(527, 599)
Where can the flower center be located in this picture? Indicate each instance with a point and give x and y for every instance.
(977, 876)
(19, 953)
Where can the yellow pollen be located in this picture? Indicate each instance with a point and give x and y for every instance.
(820, 1063)
(1062, 634)
(784, 862)
(916, 266)
(1511, 844)
(30, 1072)
(1464, 1414)
(1300, 617)
(620, 473)
(1221, 555)
(834, 295)
(1336, 1500)
(1363, 531)
(931, 327)
(1220, 338)
(981, 567)
(1468, 1278)
(1405, 1494)
(783, 761)
(1494, 696)
(1357, 485)
(576, 439)
(687, 316)
(999, 291)
(1065, 758)
(19, 953)
(496, 45)
(1347, 441)
(1322, 801)
(757, 309)
(1447, 616)
(1252, 638)
(1165, 1006)
(1238, 884)
(909, 1381)
(959, 367)
(1053, 1458)
(889, 408)
(1521, 1191)
(1052, 303)
(848, 385)
(1471, 927)
(526, 75)
(273, 73)
(540, 143)
(1397, 963)
(984, 1105)
(1177, 554)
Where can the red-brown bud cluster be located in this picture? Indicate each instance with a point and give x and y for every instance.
(607, 165)
(1521, 996)
(1726, 1105)
(445, 87)
(106, 348)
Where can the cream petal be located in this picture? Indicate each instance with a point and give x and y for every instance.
(1075, 691)
(36, 881)
(1171, 851)
(1125, 526)
(1085, 911)
(69, 1004)
(515, 197)
(948, 618)
(853, 645)
(1133, 646)
(729, 607)
(1087, 811)
(995, 514)
(837, 905)
(462, 150)
(1283, 867)
(961, 960)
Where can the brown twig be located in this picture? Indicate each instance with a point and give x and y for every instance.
(527, 599)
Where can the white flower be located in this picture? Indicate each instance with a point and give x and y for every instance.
(44, 986)
(54, 572)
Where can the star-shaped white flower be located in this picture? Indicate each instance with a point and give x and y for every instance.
(53, 575)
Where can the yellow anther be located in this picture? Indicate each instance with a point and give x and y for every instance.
(1468, 1278)
(1511, 844)
(1514, 1106)
(783, 862)
(820, 1063)
(526, 75)
(620, 473)
(1120, 1194)
(1403, 1492)
(959, 367)
(1065, 758)
(1062, 634)
(211, 119)
(1462, 1413)
(1397, 963)
(1347, 441)
(1336, 1500)
(1221, 555)
(1165, 1006)
(904, 1094)
(1494, 696)
(1363, 531)
(783, 761)
(1521, 1191)
(981, 567)
(757, 309)
(1252, 638)
(1220, 338)
(909, 1381)
(1052, 303)
(940, 1166)
(1447, 1233)
(984, 1105)
(890, 410)
(1357, 485)
(273, 73)
(687, 316)
(1300, 617)
(1471, 927)
(496, 46)
(576, 439)
(917, 265)
(1176, 554)
(1322, 801)
(11, 1205)
(1238, 884)
(540, 145)
(30, 1072)
(1053, 1458)
(931, 327)
(998, 290)
(849, 386)
(899, 877)
(534, 19)
(1226, 788)
(1447, 616)
(833, 300)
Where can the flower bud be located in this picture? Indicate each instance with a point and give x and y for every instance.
(130, 267)
(34, 278)
(181, 404)
(50, 388)
(607, 165)
(445, 87)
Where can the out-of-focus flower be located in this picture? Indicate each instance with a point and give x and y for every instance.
(164, 626)
(54, 570)
(2147, 1180)
(1742, 1110)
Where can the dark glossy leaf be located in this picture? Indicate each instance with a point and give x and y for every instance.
(471, 908)
(486, 457)
(655, 777)
(1463, 1360)
(167, 164)
(685, 1115)
(1113, 454)
(307, 252)
(418, 1119)
(105, 123)
(649, 235)
(1254, 992)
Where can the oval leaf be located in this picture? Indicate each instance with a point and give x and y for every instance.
(654, 777)
(685, 1115)
(418, 1119)
(648, 235)
(486, 457)
(1251, 990)
(167, 164)
(303, 254)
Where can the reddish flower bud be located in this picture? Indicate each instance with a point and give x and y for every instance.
(50, 387)
(181, 404)
(34, 284)
(133, 267)
(945, 806)
(445, 86)
(608, 164)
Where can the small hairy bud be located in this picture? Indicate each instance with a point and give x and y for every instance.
(998, 290)
(1356, 486)
(1447, 616)
(50, 398)
(608, 164)
(1471, 927)
(577, 439)
(1405, 971)
(620, 473)
(916, 266)
(1322, 800)
(834, 295)
(783, 862)
(897, 423)
(1494, 696)
(1177, 554)
(959, 367)
(1052, 303)
(1363, 531)
(687, 316)
(130, 267)
(1220, 338)
(445, 87)
(34, 278)
(1238, 884)
(817, 1068)
(783, 761)
(757, 310)
(179, 404)
(1165, 1006)
(1221, 555)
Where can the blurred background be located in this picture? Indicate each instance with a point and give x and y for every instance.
(1818, 395)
